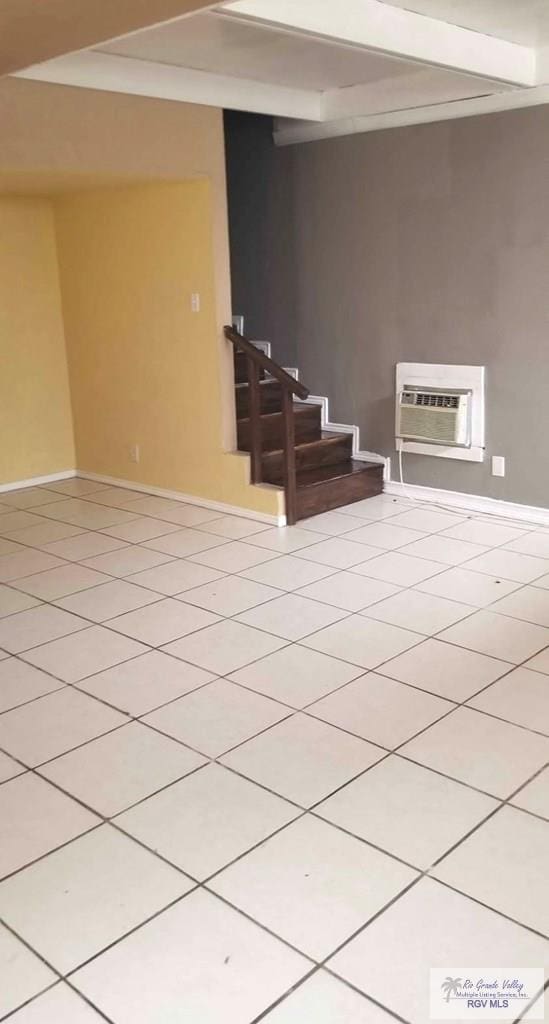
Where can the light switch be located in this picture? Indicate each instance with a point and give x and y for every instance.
(498, 465)
(195, 302)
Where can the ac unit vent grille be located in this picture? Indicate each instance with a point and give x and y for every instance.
(437, 401)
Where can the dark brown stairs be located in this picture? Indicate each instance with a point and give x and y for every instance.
(326, 475)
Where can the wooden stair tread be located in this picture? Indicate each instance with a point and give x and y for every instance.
(343, 470)
(328, 437)
(300, 410)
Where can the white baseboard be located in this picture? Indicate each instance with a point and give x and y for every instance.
(469, 502)
(35, 481)
(189, 499)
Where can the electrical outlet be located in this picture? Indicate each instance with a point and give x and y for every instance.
(498, 465)
(195, 302)
(134, 452)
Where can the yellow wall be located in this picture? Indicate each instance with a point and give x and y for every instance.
(144, 368)
(36, 436)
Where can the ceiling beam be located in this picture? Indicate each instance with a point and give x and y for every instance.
(112, 73)
(37, 30)
(392, 30)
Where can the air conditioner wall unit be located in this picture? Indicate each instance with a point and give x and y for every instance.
(435, 416)
(439, 410)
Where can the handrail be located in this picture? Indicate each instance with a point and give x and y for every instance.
(256, 361)
(266, 363)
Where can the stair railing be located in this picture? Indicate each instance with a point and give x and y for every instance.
(257, 360)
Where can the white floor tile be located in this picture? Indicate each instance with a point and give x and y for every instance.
(217, 717)
(90, 650)
(85, 545)
(60, 1005)
(233, 556)
(443, 549)
(296, 676)
(504, 864)
(233, 527)
(362, 641)
(53, 724)
(118, 497)
(107, 600)
(37, 626)
(407, 810)
(186, 542)
(338, 552)
(287, 573)
(522, 697)
(204, 822)
(225, 647)
(536, 544)
(175, 577)
(152, 506)
(285, 539)
(324, 1000)
(145, 682)
(535, 796)
(303, 759)
(333, 524)
(10, 521)
(46, 533)
(384, 535)
(449, 671)
(75, 902)
(126, 561)
(379, 507)
(66, 579)
(9, 547)
(181, 514)
(199, 961)
(349, 591)
(472, 588)
(543, 581)
(394, 567)
(75, 487)
(28, 497)
(291, 617)
(312, 885)
(26, 562)
(36, 818)
(20, 683)
(475, 748)
(84, 513)
(9, 768)
(390, 960)
(380, 709)
(426, 521)
(531, 604)
(423, 613)
(23, 974)
(540, 663)
(162, 622)
(230, 595)
(510, 565)
(477, 532)
(141, 529)
(498, 636)
(115, 771)
(12, 601)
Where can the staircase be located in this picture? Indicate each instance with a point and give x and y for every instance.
(286, 440)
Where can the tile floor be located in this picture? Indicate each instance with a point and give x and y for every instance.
(250, 774)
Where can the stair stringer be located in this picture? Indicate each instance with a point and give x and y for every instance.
(343, 428)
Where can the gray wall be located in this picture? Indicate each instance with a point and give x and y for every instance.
(428, 243)
(261, 233)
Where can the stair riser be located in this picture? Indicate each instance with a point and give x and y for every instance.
(307, 428)
(331, 454)
(335, 493)
(270, 394)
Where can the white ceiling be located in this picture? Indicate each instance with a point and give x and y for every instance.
(228, 46)
(518, 21)
(330, 67)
